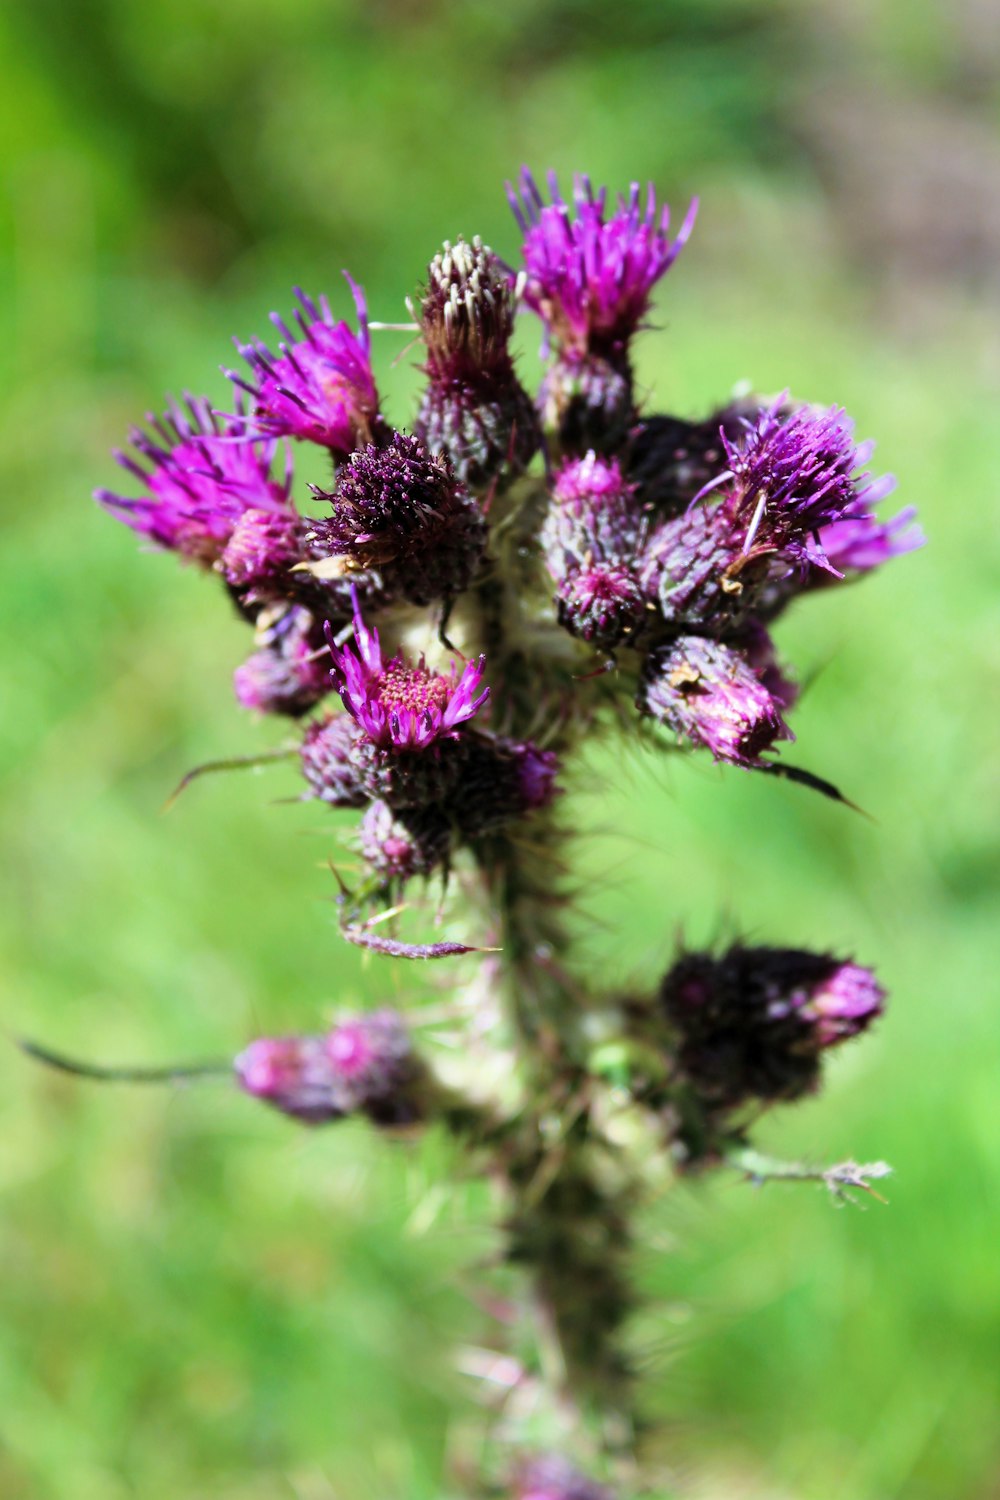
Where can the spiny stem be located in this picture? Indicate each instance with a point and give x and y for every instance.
(567, 1226)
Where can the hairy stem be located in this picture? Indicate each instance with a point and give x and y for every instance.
(567, 1223)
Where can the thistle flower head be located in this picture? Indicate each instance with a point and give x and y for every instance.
(329, 759)
(400, 844)
(400, 509)
(792, 473)
(590, 273)
(500, 780)
(708, 692)
(293, 1074)
(372, 1058)
(602, 603)
(320, 385)
(401, 706)
(263, 547)
(290, 671)
(365, 1064)
(590, 483)
(466, 312)
(202, 473)
(753, 1022)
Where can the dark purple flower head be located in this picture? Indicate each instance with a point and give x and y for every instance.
(670, 460)
(500, 780)
(400, 509)
(602, 603)
(365, 1064)
(552, 1478)
(791, 474)
(320, 385)
(202, 473)
(708, 693)
(753, 1022)
(590, 274)
(400, 706)
(329, 756)
(400, 844)
(290, 672)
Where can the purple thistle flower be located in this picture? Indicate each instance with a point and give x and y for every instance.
(400, 844)
(754, 535)
(709, 693)
(589, 277)
(401, 510)
(320, 386)
(203, 472)
(500, 780)
(399, 706)
(790, 475)
(753, 1022)
(365, 1064)
(290, 672)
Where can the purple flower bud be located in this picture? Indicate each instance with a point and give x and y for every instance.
(602, 603)
(552, 1478)
(373, 1059)
(319, 387)
(399, 706)
(753, 1023)
(399, 509)
(842, 1006)
(290, 672)
(202, 474)
(589, 276)
(709, 693)
(329, 757)
(590, 538)
(500, 780)
(399, 845)
(293, 1074)
(263, 547)
(364, 1065)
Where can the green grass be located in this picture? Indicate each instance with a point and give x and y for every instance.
(199, 1299)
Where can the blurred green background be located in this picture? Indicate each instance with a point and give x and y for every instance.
(196, 1298)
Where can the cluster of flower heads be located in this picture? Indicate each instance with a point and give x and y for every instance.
(666, 547)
